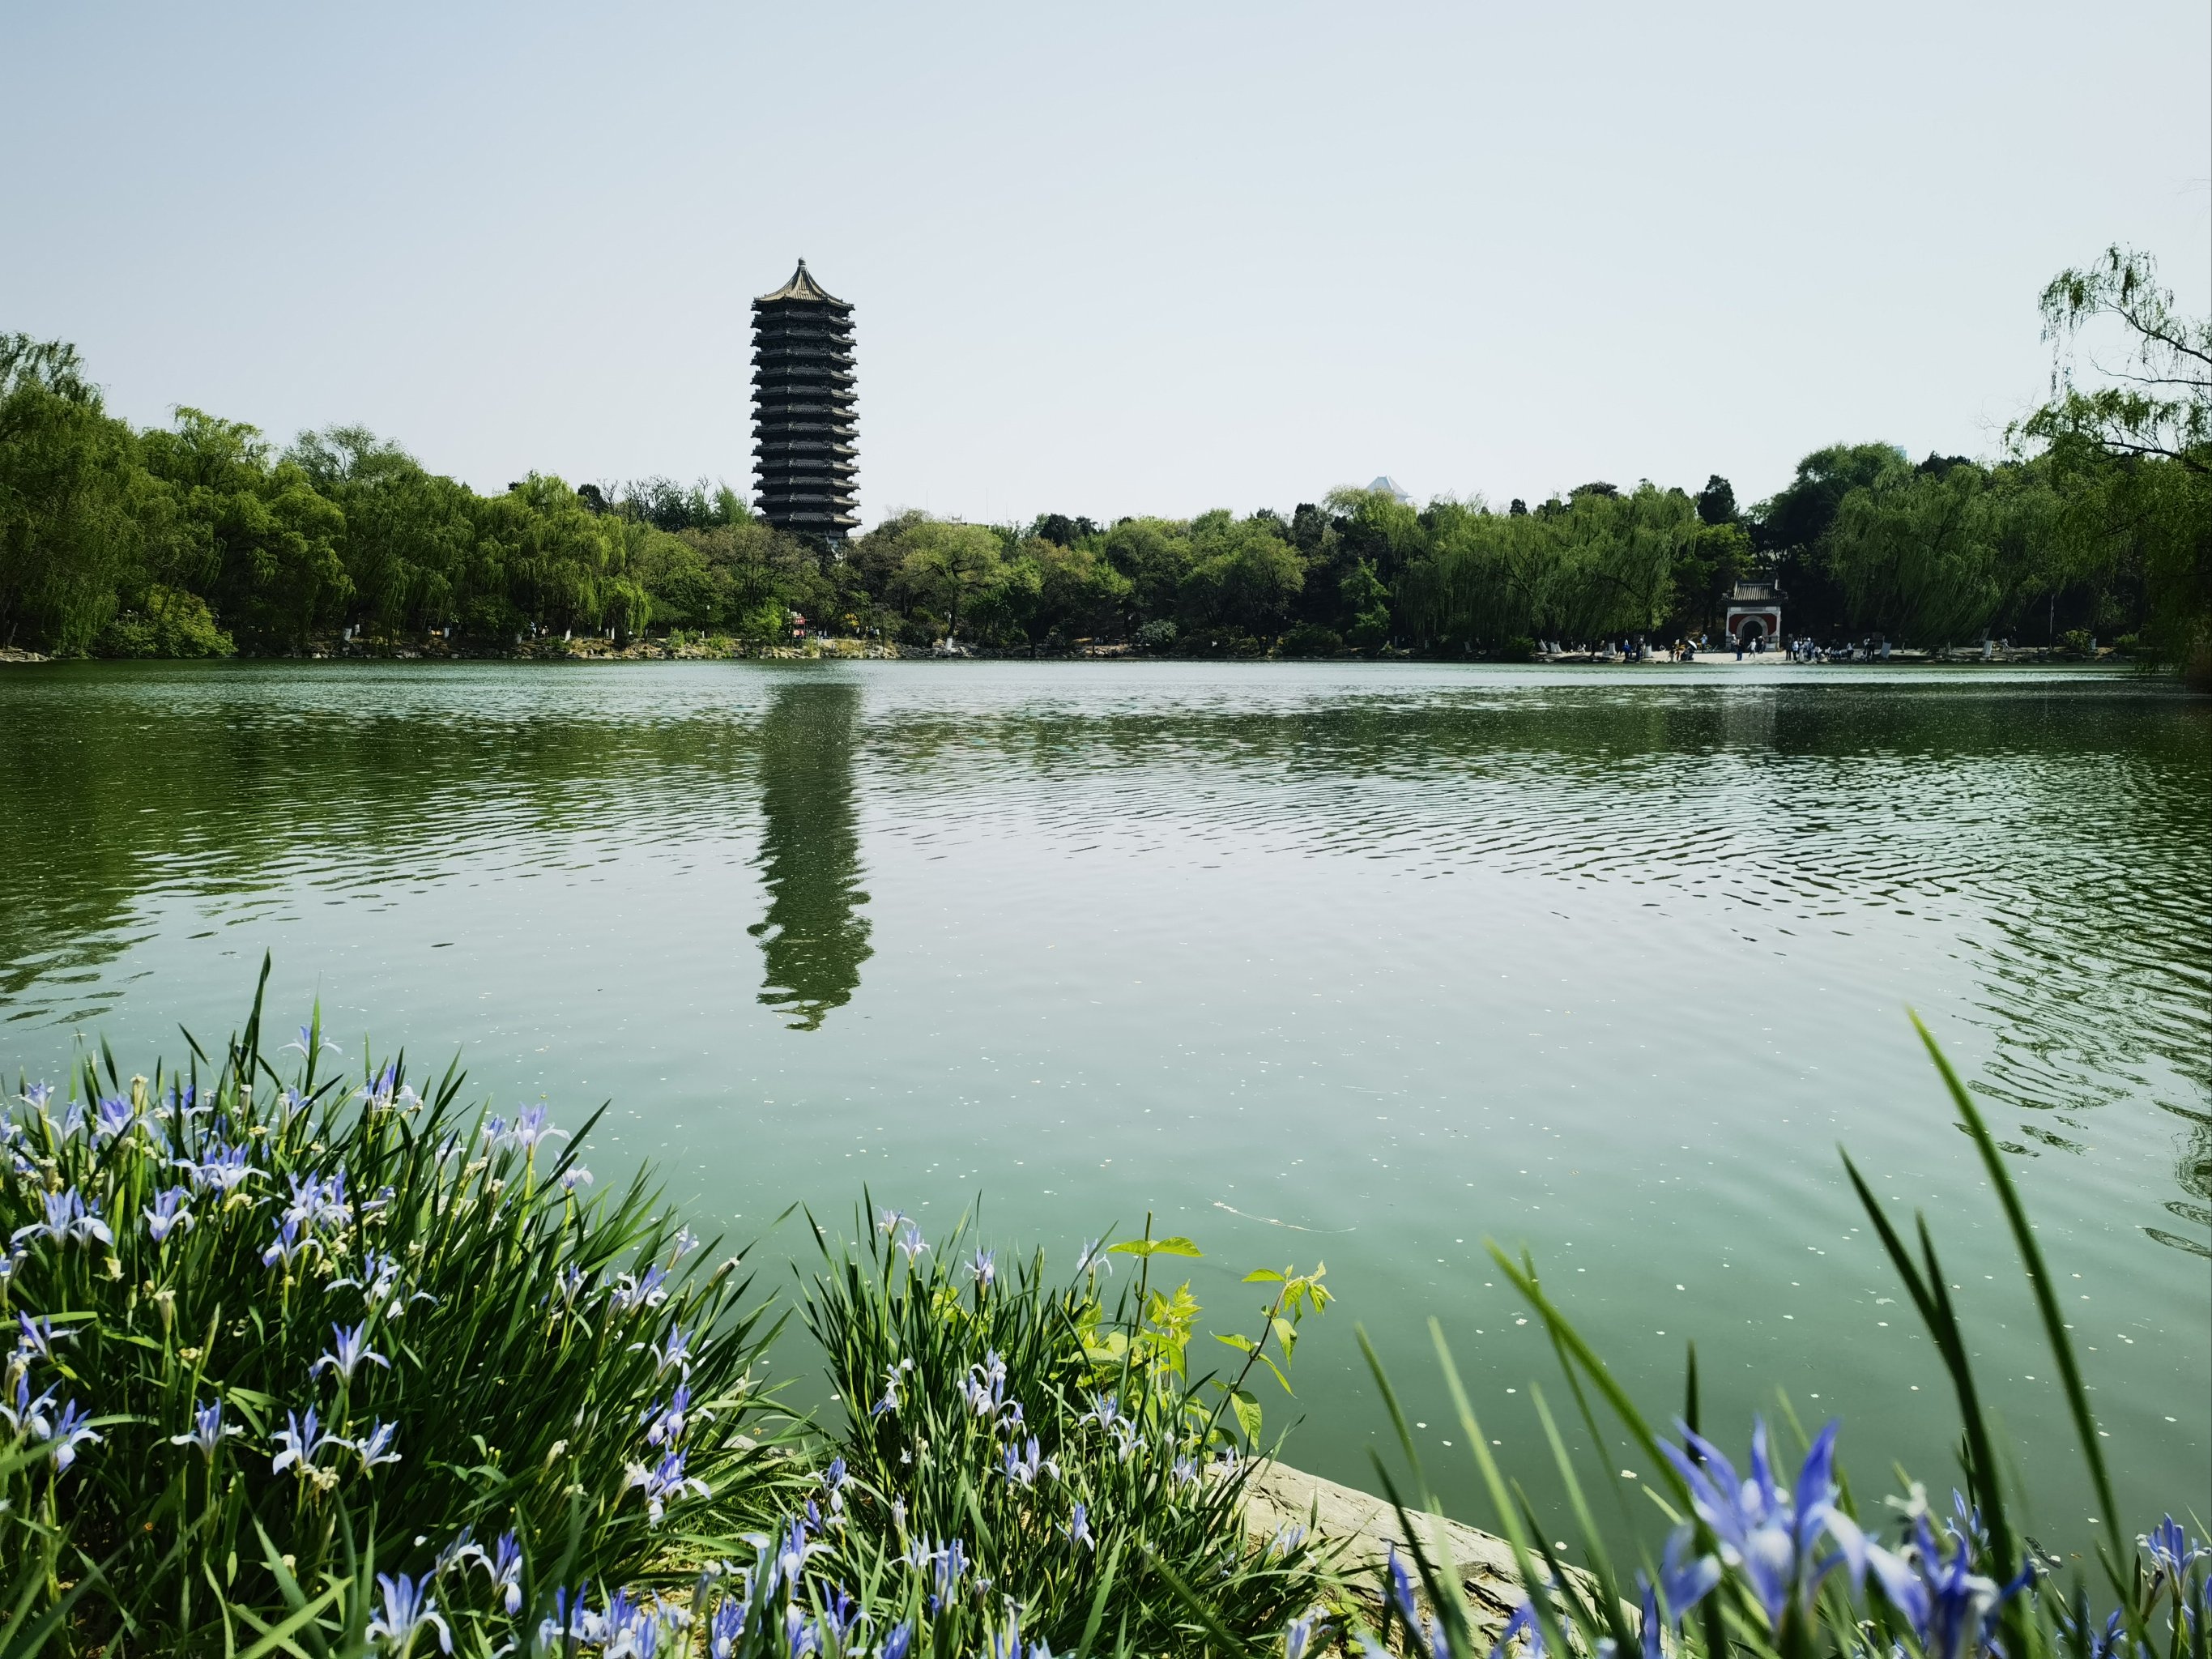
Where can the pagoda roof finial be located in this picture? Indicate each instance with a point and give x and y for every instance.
(802, 286)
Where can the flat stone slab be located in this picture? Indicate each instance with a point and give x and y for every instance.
(1362, 1528)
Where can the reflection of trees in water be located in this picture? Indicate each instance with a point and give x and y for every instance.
(233, 789)
(2194, 1172)
(813, 937)
(2060, 830)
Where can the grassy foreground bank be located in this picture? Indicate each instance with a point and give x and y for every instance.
(321, 1362)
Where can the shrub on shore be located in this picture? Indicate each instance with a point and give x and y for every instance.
(1054, 1442)
(170, 623)
(276, 1336)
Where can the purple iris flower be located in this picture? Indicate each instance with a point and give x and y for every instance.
(910, 1243)
(986, 1387)
(951, 1566)
(1948, 1605)
(572, 1619)
(504, 1564)
(69, 1219)
(799, 1638)
(36, 1335)
(791, 1552)
(380, 1275)
(302, 1440)
(891, 1400)
(1522, 1623)
(318, 1201)
(408, 1609)
(169, 1213)
(1300, 1634)
(617, 1615)
(985, 1265)
(2172, 1551)
(2112, 1640)
(530, 1128)
(208, 1432)
(289, 1244)
(673, 1352)
(1024, 1470)
(632, 1293)
(1078, 1529)
(897, 1644)
(833, 1629)
(220, 1168)
(29, 1416)
(1402, 1591)
(311, 1045)
(1649, 1626)
(1092, 1259)
(1126, 1438)
(666, 1427)
(70, 1430)
(375, 1446)
(664, 1484)
(113, 1118)
(1772, 1534)
(1685, 1582)
(351, 1353)
(727, 1625)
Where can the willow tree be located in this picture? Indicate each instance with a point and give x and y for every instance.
(247, 531)
(1932, 556)
(68, 534)
(1614, 573)
(2130, 446)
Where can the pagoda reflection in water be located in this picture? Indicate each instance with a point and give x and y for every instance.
(814, 937)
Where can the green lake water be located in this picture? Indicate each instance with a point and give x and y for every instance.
(1357, 962)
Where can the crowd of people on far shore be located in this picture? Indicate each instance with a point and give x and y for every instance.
(1873, 647)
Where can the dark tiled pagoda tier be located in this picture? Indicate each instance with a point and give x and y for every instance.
(803, 430)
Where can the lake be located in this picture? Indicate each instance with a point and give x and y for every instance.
(1356, 963)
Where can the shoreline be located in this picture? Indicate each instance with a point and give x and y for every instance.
(604, 651)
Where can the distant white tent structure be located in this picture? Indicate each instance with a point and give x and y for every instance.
(1388, 486)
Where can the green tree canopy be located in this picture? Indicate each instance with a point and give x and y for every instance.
(70, 492)
(952, 565)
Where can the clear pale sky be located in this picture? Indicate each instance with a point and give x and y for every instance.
(1106, 259)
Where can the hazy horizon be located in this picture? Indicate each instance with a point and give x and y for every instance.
(1156, 261)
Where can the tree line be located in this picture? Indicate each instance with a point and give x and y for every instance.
(203, 537)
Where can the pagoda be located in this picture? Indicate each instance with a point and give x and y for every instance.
(803, 427)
